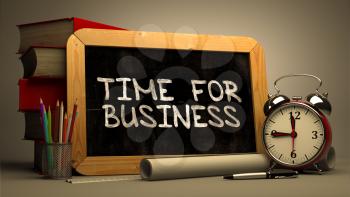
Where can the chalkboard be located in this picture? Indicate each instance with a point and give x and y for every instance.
(139, 97)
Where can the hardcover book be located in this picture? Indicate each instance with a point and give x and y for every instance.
(44, 61)
(48, 89)
(54, 32)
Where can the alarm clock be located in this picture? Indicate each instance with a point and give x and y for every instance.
(296, 132)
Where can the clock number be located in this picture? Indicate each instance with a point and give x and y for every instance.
(293, 154)
(315, 135)
(297, 115)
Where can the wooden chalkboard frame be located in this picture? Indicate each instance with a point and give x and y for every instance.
(104, 165)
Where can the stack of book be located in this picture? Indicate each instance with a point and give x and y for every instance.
(43, 55)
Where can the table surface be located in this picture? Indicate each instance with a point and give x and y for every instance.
(17, 179)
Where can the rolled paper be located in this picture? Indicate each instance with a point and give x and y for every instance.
(201, 166)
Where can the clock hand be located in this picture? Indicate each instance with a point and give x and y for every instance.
(292, 121)
(279, 134)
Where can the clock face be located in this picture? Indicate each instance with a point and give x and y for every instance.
(294, 134)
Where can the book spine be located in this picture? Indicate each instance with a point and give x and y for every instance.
(32, 89)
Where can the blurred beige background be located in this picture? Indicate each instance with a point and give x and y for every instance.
(298, 37)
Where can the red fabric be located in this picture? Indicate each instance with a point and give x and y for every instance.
(49, 89)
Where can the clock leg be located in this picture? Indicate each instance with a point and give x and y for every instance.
(318, 169)
(315, 169)
(273, 165)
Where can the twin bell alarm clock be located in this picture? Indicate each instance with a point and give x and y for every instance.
(296, 133)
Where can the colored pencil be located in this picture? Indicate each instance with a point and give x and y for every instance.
(72, 125)
(75, 118)
(46, 132)
(57, 122)
(42, 125)
(65, 124)
(53, 122)
(46, 125)
(44, 122)
(49, 125)
(74, 114)
(42, 113)
(68, 128)
(41, 116)
(61, 123)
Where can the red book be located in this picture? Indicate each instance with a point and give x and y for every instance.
(54, 32)
(49, 89)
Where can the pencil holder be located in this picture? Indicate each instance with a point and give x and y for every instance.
(58, 158)
(44, 160)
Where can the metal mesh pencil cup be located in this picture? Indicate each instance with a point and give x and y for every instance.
(57, 161)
